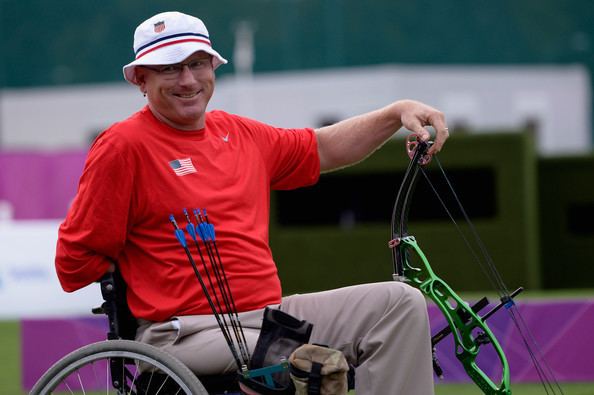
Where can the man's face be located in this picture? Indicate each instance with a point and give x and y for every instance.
(178, 94)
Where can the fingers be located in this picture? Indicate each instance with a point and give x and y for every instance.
(441, 132)
(435, 119)
(423, 133)
(416, 116)
(441, 136)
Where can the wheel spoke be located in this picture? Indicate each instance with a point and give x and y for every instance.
(82, 386)
(142, 367)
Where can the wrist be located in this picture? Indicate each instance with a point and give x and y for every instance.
(395, 111)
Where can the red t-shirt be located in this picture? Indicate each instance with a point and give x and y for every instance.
(130, 186)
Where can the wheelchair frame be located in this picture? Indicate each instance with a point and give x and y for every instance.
(129, 367)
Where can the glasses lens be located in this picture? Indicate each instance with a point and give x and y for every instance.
(172, 69)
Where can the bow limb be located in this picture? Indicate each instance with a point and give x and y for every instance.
(469, 329)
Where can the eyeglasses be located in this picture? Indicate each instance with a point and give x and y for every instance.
(174, 70)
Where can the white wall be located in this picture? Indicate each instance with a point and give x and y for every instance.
(29, 286)
(558, 97)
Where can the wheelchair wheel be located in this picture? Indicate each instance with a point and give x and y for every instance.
(119, 367)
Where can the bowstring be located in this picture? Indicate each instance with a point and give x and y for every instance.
(459, 229)
(546, 375)
(487, 264)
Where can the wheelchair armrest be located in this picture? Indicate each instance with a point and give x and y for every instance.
(108, 286)
(98, 310)
(122, 324)
(109, 306)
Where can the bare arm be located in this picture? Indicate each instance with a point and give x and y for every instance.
(352, 140)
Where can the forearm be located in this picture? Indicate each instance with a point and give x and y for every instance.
(78, 267)
(88, 244)
(352, 140)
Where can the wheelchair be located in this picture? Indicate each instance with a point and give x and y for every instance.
(120, 365)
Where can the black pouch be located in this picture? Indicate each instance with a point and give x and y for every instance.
(281, 334)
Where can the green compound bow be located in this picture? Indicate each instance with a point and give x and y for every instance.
(469, 329)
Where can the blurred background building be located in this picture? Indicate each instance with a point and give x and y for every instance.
(486, 65)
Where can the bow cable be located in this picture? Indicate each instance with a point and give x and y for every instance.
(487, 264)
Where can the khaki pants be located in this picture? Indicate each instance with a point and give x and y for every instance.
(382, 329)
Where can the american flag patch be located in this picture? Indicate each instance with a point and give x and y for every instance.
(181, 167)
(159, 26)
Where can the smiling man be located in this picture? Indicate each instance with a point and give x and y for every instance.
(178, 94)
(173, 154)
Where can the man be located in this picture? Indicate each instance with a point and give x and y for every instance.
(174, 154)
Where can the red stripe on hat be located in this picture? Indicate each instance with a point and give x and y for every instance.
(174, 42)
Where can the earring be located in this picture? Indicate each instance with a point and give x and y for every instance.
(144, 94)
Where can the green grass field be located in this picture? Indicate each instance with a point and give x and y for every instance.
(10, 362)
(10, 372)
(517, 389)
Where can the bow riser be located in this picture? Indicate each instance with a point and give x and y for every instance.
(469, 333)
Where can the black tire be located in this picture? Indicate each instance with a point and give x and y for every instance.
(71, 373)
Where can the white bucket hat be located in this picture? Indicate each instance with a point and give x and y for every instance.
(168, 38)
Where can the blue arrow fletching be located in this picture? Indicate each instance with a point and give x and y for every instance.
(211, 231)
(181, 237)
(191, 230)
(201, 232)
(206, 231)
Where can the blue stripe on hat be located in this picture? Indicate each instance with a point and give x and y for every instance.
(169, 37)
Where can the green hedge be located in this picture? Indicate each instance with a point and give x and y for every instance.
(566, 189)
(314, 255)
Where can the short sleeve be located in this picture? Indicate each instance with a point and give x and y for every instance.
(291, 155)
